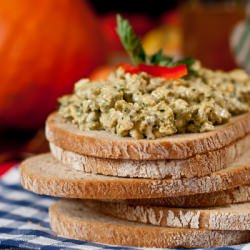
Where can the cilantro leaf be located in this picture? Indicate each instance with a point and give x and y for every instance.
(133, 46)
(160, 59)
(189, 61)
(130, 41)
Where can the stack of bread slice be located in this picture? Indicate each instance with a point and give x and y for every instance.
(188, 190)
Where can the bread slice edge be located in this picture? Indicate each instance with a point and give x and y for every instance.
(106, 145)
(230, 217)
(73, 219)
(45, 175)
(196, 166)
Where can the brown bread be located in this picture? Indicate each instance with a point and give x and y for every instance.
(74, 220)
(195, 166)
(44, 175)
(221, 198)
(230, 217)
(106, 145)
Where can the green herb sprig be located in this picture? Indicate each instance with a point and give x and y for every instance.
(130, 41)
(133, 46)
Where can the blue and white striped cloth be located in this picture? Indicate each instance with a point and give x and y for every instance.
(24, 222)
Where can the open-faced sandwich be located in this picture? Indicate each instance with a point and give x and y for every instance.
(158, 153)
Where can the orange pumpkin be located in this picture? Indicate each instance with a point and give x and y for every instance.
(45, 46)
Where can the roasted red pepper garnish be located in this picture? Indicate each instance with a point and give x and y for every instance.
(166, 72)
(158, 71)
(130, 68)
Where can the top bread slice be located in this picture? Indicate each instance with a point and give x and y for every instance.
(106, 145)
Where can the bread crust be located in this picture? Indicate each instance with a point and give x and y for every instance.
(221, 198)
(196, 166)
(105, 145)
(44, 175)
(74, 220)
(231, 217)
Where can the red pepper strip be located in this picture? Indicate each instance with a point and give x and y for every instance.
(159, 71)
(130, 68)
(165, 72)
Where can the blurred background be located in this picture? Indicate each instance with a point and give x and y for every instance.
(46, 46)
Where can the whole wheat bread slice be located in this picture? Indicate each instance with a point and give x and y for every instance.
(215, 199)
(196, 166)
(231, 217)
(73, 219)
(45, 175)
(105, 145)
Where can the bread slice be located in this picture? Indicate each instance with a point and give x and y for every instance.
(73, 219)
(106, 145)
(195, 166)
(215, 199)
(231, 217)
(45, 175)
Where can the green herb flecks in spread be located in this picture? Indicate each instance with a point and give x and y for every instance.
(142, 106)
(139, 105)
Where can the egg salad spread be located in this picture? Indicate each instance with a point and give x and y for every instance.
(142, 106)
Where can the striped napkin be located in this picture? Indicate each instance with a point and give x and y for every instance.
(24, 222)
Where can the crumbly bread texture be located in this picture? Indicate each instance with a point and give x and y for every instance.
(106, 145)
(74, 220)
(195, 166)
(231, 217)
(221, 198)
(45, 175)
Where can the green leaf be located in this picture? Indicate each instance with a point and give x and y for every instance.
(189, 61)
(160, 59)
(133, 46)
(130, 41)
